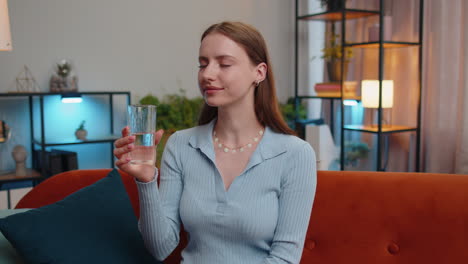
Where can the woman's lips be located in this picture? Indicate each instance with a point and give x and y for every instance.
(212, 89)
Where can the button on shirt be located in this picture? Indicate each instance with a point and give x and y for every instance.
(262, 217)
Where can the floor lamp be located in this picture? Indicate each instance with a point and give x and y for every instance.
(5, 34)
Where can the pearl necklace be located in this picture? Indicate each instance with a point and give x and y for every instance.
(239, 149)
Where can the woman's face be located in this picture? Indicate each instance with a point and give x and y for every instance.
(226, 74)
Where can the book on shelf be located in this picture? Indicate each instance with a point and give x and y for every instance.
(69, 159)
(49, 163)
(55, 161)
(333, 89)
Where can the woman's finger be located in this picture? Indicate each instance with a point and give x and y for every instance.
(125, 131)
(122, 161)
(124, 141)
(158, 135)
(118, 152)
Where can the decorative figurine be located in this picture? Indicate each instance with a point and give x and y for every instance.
(25, 82)
(20, 154)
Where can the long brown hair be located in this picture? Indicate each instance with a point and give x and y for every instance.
(266, 103)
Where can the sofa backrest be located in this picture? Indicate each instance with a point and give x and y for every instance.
(357, 217)
(385, 217)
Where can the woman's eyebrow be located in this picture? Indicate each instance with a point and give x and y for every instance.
(219, 57)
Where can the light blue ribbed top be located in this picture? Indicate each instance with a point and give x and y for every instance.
(262, 217)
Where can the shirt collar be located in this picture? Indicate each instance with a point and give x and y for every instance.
(271, 144)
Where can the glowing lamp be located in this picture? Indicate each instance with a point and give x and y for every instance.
(370, 93)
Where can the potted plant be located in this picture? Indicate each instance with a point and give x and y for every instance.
(333, 5)
(332, 53)
(63, 69)
(63, 80)
(355, 151)
(81, 132)
(289, 112)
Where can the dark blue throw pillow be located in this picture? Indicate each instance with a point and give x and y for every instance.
(93, 225)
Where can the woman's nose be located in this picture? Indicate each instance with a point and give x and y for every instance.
(209, 72)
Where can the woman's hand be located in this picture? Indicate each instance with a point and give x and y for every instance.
(123, 145)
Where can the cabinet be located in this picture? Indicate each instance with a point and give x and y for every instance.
(49, 123)
(384, 38)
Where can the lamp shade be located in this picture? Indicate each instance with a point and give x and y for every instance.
(370, 93)
(5, 34)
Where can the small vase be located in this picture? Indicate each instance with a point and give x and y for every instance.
(334, 70)
(81, 134)
(59, 84)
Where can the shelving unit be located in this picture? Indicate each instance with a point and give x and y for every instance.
(337, 15)
(375, 129)
(10, 177)
(379, 130)
(39, 141)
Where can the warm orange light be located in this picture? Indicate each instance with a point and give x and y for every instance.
(370, 93)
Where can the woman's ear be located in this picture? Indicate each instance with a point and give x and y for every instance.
(261, 72)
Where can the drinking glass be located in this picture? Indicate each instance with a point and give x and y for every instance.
(142, 122)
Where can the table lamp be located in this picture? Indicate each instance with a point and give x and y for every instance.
(370, 96)
(5, 34)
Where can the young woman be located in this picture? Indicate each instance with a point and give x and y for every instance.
(241, 183)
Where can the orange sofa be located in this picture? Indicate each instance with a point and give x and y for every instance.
(357, 217)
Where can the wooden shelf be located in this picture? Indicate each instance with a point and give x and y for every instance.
(375, 129)
(40, 93)
(386, 44)
(74, 141)
(338, 15)
(355, 97)
(11, 176)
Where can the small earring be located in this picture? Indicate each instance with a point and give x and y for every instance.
(257, 83)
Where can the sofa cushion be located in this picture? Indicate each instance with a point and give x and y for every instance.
(93, 225)
(8, 253)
